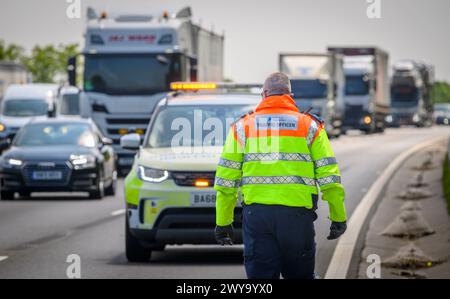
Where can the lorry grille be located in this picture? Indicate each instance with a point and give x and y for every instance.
(188, 179)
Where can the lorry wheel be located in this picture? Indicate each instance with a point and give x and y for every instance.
(7, 195)
(135, 252)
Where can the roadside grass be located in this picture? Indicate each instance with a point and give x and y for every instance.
(446, 182)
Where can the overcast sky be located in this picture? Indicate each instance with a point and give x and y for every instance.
(256, 31)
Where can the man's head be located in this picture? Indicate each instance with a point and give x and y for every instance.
(276, 84)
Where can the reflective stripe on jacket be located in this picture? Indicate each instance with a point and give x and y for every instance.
(278, 156)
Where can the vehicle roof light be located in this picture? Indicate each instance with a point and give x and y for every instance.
(192, 85)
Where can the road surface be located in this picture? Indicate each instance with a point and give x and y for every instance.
(37, 235)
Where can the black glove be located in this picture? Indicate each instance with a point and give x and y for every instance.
(224, 235)
(337, 229)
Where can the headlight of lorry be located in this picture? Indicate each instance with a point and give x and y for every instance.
(82, 161)
(152, 175)
(389, 118)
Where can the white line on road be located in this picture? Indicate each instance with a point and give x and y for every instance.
(2, 258)
(342, 257)
(118, 212)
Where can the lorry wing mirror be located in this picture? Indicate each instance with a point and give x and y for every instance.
(130, 142)
(72, 70)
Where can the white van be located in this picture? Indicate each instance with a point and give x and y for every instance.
(21, 103)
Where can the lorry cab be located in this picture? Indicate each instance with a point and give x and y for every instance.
(318, 83)
(129, 61)
(367, 98)
(410, 94)
(22, 103)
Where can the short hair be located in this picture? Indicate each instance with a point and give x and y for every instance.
(277, 84)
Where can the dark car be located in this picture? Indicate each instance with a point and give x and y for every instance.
(59, 155)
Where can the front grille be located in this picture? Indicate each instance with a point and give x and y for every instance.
(29, 169)
(128, 121)
(354, 112)
(188, 178)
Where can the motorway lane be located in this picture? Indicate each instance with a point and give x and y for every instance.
(37, 235)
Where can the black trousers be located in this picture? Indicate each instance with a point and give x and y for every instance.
(278, 240)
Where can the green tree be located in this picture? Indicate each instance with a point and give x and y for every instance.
(441, 92)
(48, 63)
(11, 52)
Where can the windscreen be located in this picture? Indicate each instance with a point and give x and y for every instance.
(125, 74)
(25, 108)
(404, 94)
(309, 89)
(55, 134)
(188, 126)
(356, 85)
(70, 104)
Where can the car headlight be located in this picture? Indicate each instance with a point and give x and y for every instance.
(152, 175)
(389, 118)
(11, 162)
(82, 161)
(2, 128)
(416, 118)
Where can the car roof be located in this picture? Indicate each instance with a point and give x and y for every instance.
(30, 91)
(199, 99)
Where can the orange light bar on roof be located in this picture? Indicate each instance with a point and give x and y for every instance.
(192, 85)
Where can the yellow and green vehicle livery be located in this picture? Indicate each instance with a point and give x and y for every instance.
(169, 191)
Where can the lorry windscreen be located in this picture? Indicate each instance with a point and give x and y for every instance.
(131, 74)
(309, 89)
(404, 94)
(189, 126)
(356, 85)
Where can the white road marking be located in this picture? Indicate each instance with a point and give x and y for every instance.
(2, 258)
(342, 257)
(118, 212)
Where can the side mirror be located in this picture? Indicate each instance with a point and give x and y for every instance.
(5, 144)
(51, 112)
(107, 141)
(72, 71)
(130, 142)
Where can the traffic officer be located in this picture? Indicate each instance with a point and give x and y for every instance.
(279, 157)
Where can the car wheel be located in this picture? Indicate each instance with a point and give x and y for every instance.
(135, 252)
(111, 190)
(7, 195)
(99, 193)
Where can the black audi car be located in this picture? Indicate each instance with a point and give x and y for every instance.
(60, 155)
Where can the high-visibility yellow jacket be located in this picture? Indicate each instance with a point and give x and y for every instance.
(278, 156)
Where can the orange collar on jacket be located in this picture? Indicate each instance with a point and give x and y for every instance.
(277, 102)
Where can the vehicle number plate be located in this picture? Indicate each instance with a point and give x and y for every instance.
(203, 199)
(47, 175)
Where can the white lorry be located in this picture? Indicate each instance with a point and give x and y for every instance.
(129, 63)
(318, 83)
(367, 97)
